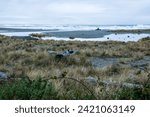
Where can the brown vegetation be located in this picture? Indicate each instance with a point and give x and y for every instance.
(30, 59)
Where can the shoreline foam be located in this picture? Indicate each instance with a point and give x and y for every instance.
(84, 35)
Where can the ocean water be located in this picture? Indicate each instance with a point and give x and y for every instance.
(74, 27)
(6, 30)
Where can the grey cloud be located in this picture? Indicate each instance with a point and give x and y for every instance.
(75, 11)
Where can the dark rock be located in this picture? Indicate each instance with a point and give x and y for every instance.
(71, 37)
(58, 45)
(59, 56)
(98, 29)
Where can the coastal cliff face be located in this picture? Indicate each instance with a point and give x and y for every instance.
(100, 68)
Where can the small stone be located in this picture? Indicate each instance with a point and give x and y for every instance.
(3, 76)
(91, 80)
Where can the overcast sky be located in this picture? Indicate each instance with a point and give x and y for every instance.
(102, 12)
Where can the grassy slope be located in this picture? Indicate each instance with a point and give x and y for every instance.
(30, 62)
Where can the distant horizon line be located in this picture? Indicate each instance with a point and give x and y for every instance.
(71, 24)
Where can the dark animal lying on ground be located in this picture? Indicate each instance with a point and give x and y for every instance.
(64, 53)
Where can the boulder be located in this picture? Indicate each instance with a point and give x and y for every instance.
(59, 56)
(71, 37)
(98, 29)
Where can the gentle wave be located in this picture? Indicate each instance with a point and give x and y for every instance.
(74, 27)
